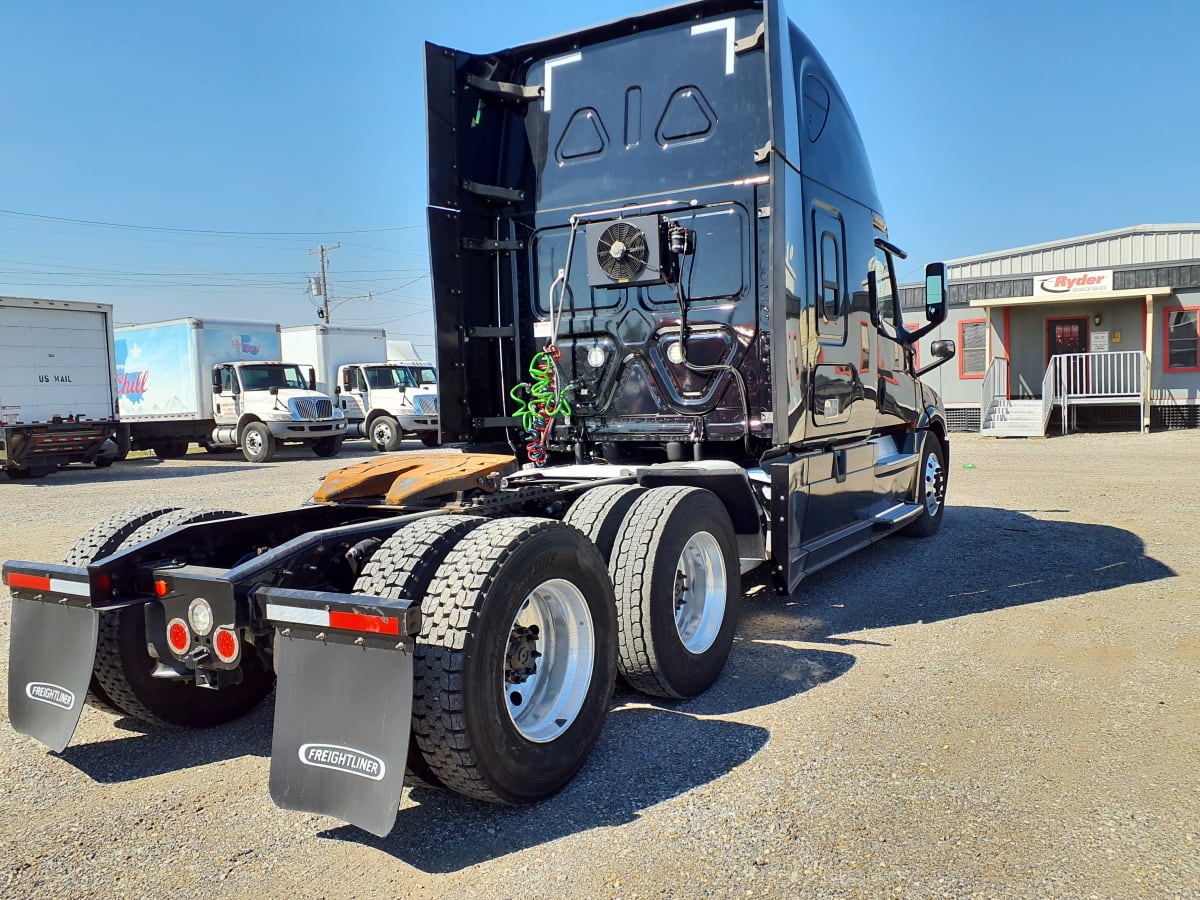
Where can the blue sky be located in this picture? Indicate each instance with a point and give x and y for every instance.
(282, 126)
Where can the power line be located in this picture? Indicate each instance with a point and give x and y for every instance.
(99, 224)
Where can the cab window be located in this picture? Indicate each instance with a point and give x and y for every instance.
(885, 290)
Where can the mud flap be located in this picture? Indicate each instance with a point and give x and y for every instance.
(342, 707)
(51, 652)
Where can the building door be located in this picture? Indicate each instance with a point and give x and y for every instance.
(1068, 336)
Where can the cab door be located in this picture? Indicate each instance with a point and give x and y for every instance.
(227, 400)
(355, 399)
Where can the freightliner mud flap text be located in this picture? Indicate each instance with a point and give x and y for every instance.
(343, 704)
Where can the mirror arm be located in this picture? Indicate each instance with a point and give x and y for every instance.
(931, 366)
(890, 248)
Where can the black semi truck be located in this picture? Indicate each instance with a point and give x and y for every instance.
(671, 350)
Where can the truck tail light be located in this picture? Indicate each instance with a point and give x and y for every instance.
(226, 645)
(178, 637)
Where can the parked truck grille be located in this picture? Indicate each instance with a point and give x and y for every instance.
(425, 405)
(310, 409)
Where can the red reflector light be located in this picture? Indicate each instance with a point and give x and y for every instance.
(360, 622)
(103, 581)
(225, 643)
(161, 588)
(178, 636)
(33, 582)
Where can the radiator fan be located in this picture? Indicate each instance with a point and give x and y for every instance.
(622, 251)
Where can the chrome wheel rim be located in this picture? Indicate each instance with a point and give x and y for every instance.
(549, 660)
(253, 441)
(382, 433)
(700, 591)
(935, 484)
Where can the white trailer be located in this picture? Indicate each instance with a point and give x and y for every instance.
(222, 384)
(57, 385)
(383, 399)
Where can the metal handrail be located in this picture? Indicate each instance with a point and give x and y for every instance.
(995, 387)
(1089, 377)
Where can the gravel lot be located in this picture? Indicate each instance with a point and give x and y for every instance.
(1009, 709)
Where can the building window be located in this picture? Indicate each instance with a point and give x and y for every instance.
(1182, 340)
(972, 340)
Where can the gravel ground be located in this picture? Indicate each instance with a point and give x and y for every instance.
(1009, 709)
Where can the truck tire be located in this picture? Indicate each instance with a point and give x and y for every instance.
(100, 541)
(124, 441)
(403, 566)
(517, 655)
(385, 434)
(931, 490)
(600, 512)
(676, 575)
(123, 669)
(171, 448)
(258, 444)
(430, 439)
(327, 446)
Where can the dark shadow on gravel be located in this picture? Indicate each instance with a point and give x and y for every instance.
(982, 559)
(156, 751)
(645, 756)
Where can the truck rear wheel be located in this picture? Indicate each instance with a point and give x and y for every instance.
(102, 540)
(327, 446)
(675, 571)
(124, 670)
(931, 490)
(430, 439)
(171, 448)
(600, 512)
(385, 433)
(258, 444)
(517, 659)
(403, 566)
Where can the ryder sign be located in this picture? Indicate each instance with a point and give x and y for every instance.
(1073, 283)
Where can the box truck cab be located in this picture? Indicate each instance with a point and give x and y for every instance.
(259, 405)
(382, 400)
(222, 384)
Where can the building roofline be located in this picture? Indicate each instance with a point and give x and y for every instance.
(1066, 242)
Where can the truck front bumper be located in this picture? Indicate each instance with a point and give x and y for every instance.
(418, 423)
(293, 430)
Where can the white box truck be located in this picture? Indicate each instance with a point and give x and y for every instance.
(382, 399)
(222, 384)
(57, 385)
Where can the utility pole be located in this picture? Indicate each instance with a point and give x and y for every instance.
(322, 250)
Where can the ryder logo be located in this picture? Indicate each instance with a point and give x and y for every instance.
(1073, 283)
(343, 759)
(52, 694)
(245, 344)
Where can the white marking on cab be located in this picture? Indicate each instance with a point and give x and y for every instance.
(729, 26)
(551, 65)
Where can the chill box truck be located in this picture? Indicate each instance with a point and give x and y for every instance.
(380, 399)
(221, 384)
(57, 396)
(667, 320)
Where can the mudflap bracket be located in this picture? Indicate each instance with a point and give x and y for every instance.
(343, 703)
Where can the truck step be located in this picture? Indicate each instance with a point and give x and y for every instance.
(898, 513)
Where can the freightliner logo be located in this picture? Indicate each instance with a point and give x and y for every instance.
(343, 759)
(45, 692)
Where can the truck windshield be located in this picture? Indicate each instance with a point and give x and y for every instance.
(263, 378)
(384, 377)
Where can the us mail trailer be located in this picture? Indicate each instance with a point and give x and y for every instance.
(220, 383)
(665, 308)
(57, 394)
(382, 399)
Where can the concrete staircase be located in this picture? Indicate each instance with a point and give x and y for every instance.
(1013, 418)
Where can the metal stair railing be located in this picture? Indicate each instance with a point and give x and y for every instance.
(995, 387)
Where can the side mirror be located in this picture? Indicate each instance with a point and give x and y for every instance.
(274, 391)
(216, 381)
(942, 351)
(935, 293)
(337, 388)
